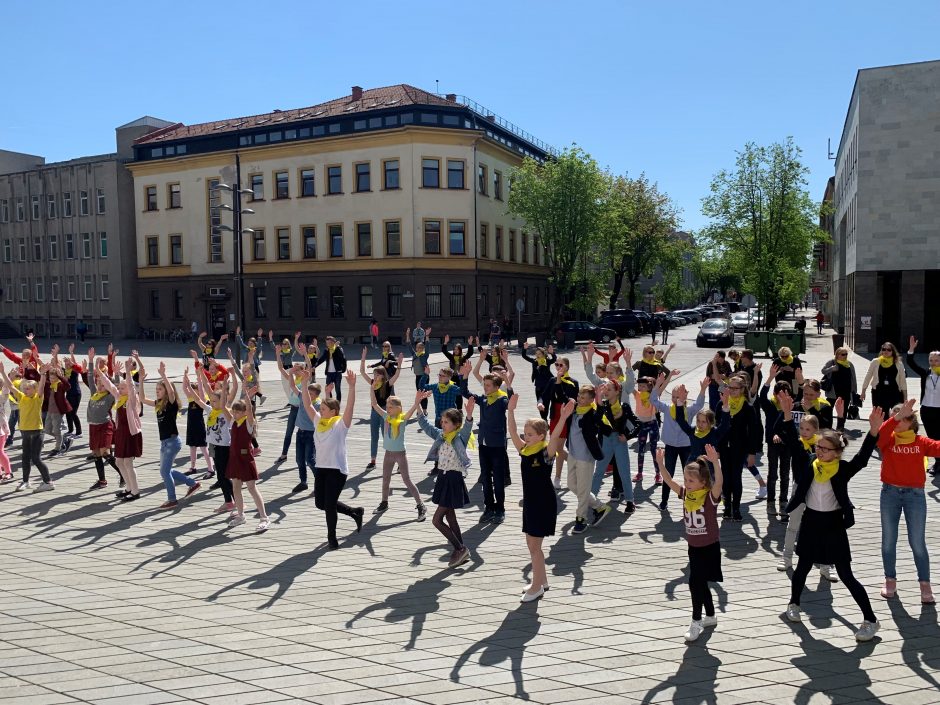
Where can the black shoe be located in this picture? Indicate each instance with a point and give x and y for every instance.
(630, 507)
(215, 485)
(486, 516)
(357, 514)
(130, 497)
(433, 471)
(371, 465)
(737, 518)
(615, 495)
(332, 543)
(783, 517)
(120, 493)
(383, 507)
(727, 513)
(507, 480)
(662, 505)
(301, 487)
(99, 484)
(498, 518)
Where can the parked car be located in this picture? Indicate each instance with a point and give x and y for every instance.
(624, 322)
(715, 331)
(645, 319)
(741, 321)
(693, 315)
(584, 330)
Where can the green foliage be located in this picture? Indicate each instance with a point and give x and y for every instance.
(672, 291)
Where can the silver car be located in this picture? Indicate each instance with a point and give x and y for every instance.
(741, 321)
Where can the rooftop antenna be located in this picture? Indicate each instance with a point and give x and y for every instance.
(829, 148)
(437, 86)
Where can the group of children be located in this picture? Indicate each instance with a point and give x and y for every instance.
(590, 425)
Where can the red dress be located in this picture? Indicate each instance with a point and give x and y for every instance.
(126, 445)
(241, 464)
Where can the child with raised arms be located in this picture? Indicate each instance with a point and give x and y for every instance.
(394, 421)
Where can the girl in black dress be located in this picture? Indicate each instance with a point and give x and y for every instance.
(886, 380)
(539, 503)
(196, 430)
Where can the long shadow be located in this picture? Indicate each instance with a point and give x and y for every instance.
(772, 540)
(738, 543)
(935, 493)
(38, 510)
(822, 615)
(919, 636)
(823, 661)
(508, 642)
(694, 680)
(473, 538)
(568, 557)
(669, 528)
(612, 528)
(83, 511)
(282, 576)
(670, 589)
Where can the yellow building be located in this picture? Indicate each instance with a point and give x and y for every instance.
(388, 203)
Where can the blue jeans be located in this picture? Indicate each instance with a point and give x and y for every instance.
(306, 453)
(336, 379)
(169, 449)
(14, 419)
(291, 424)
(375, 427)
(913, 503)
(613, 447)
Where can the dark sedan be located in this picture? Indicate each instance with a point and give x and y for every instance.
(584, 330)
(717, 332)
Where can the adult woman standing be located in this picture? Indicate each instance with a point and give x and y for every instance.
(885, 378)
(841, 374)
(929, 393)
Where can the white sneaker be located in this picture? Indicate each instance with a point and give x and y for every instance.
(23, 486)
(826, 572)
(761, 492)
(557, 483)
(44, 487)
(784, 564)
(710, 621)
(236, 520)
(867, 631)
(695, 630)
(793, 613)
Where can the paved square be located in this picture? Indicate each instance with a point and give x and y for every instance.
(112, 604)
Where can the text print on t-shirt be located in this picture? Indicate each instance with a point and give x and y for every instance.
(695, 522)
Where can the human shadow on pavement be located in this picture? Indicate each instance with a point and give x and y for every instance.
(508, 642)
(46, 524)
(568, 556)
(821, 662)
(670, 589)
(736, 542)
(669, 527)
(473, 538)
(281, 576)
(694, 680)
(918, 648)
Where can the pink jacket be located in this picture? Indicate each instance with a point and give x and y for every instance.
(134, 404)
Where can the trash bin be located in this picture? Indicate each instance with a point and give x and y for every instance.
(758, 341)
(792, 339)
(838, 340)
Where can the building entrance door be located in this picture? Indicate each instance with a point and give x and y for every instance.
(217, 320)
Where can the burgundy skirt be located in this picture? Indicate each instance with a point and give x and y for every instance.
(100, 436)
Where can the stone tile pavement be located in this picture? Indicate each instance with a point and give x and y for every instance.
(104, 603)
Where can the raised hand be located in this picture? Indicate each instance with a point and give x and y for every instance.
(471, 402)
(907, 408)
(71, 348)
(363, 353)
(704, 384)
(875, 419)
(711, 453)
(661, 457)
(912, 345)
(725, 397)
(350, 378)
(513, 400)
(161, 368)
(568, 409)
(446, 338)
(627, 357)
(786, 403)
(774, 369)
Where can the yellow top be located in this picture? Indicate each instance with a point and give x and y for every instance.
(30, 411)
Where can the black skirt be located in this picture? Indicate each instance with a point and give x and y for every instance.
(705, 562)
(823, 537)
(450, 490)
(195, 427)
(539, 499)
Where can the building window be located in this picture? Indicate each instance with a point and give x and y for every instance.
(258, 248)
(70, 288)
(150, 198)
(283, 302)
(337, 305)
(481, 179)
(24, 290)
(484, 300)
(334, 180)
(106, 288)
(88, 290)
(281, 184)
(103, 245)
(457, 237)
(431, 173)
(364, 239)
(536, 250)
(99, 201)
(37, 250)
(310, 302)
(4, 210)
(524, 243)
(432, 237)
(86, 245)
(67, 205)
(390, 178)
(499, 300)
(310, 242)
(153, 251)
(336, 240)
(497, 185)
(393, 238)
(394, 301)
(20, 209)
(69, 246)
(512, 245)
(215, 220)
(365, 302)
(7, 251)
(54, 289)
(21, 249)
(458, 300)
(484, 237)
(307, 182)
(176, 249)
(174, 196)
(261, 301)
(40, 289)
(83, 202)
(51, 210)
(537, 303)
(178, 304)
(455, 172)
(499, 242)
(432, 301)
(283, 243)
(34, 200)
(257, 187)
(363, 177)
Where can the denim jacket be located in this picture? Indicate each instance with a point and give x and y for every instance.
(460, 442)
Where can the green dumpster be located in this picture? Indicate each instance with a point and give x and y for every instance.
(758, 341)
(793, 339)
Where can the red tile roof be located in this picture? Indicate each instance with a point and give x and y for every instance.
(372, 99)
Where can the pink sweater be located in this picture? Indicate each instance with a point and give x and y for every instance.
(133, 404)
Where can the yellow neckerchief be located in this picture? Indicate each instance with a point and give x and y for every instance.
(616, 407)
(702, 434)
(286, 349)
(249, 378)
(378, 384)
(214, 415)
(312, 353)
(330, 349)
(844, 363)
(885, 362)
(820, 403)
(903, 438)
(808, 444)
(566, 379)
(644, 398)
(541, 361)
(695, 499)
(297, 380)
(324, 425)
(735, 404)
(773, 399)
(449, 436)
(394, 423)
(444, 387)
(622, 379)
(241, 421)
(495, 396)
(99, 395)
(823, 471)
(121, 401)
(787, 360)
(935, 370)
(385, 355)
(534, 448)
(651, 361)
(457, 359)
(672, 411)
(207, 351)
(54, 386)
(494, 358)
(579, 410)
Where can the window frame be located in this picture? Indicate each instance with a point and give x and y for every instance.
(482, 177)
(281, 178)
(457, 292)
(463, 224)
(52, 207)
(512, 245)
(429, 297)
(170, 243)
(394, 296)
(357, 176)
(281, 299)
(497, 184)
(252, 186)
(104, 287)
(100, 202)
(342, 238)
(437, 171)
(498, 243)
(341, 295)
(170, 193)
(35, 206)
(259, 301)
(424, 232)
(362, 299)
(303, 241)
(301, 182)
(103, 244)
(358, 225)
(316, 301)
(463, 174)
(278, 233)
(483, 247)
(385, 171)
(66, 204)
(87, 249)
(259, 236)
(329, 182)
(83, 202)
(385, 224)
(150, 199)
(152, 247)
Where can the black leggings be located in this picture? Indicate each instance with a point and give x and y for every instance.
(844, 569)
(32, 447)
(676, 454)
(327, 485)
(445, 521)
(732, 466)
(220, 456)
(420, 383)
(701, 597)
(75, 423)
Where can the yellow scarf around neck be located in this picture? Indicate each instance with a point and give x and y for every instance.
(702, 434)
(121, 401)
(449, 436)
(213, 417)
(241, 421)
(735, 404)
(935, 370)
(616, 407)
(324, 425)
(378, 384)
(644, 398)
(809, 444)
(694, 499)
(844, 363)
(579, 410)
(394, 424)
(541, 361)
(330, 349)
(534, 448)
(820, 403)
(492, 398)
(773, 399)
(494, 359)
(903, 438)
(823, 471)
(565, 378)
(885, 362)
(787, 360)
(672, 411)
(652, 361)
(99, 395)
(444, 387)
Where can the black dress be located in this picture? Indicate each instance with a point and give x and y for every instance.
(887, 393)
(539, 501)
(195, 426)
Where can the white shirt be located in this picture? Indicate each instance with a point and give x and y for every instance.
(219, 433)
(447, 457)
(821, 498)
(331, 447)
(931, 391)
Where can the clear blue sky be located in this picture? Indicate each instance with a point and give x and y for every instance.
(672, 89)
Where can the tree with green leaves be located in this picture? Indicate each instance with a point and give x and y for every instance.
(672, 290)
(562, 200)
(764, 222)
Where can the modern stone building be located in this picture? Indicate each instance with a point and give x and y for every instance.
(67, 245)
(388, 203)
(886, 243)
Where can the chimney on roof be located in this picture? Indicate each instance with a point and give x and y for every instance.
(356, 93)
(451, 97)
